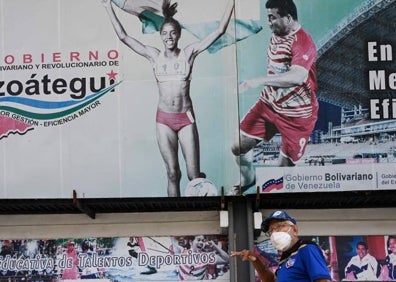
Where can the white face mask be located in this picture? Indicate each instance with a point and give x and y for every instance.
(281, 240)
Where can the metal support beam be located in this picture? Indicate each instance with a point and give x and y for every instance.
(241, 237)
(82, 207)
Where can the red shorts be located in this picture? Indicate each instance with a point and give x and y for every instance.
(175, 121)
(262, 122)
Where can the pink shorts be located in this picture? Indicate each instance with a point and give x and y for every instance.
(175, 121)
(262, 122)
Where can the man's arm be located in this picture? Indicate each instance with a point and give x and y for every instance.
(264, 273)
(297, 75)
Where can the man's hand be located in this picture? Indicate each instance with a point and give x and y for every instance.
(245, 255)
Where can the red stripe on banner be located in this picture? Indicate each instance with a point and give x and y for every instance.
(11, 126)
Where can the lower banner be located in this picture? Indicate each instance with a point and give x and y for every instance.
(201, 257)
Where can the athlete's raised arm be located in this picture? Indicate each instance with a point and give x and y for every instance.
(146, 51)
(198, 47)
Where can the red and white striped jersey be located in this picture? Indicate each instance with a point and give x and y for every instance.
(283, 52)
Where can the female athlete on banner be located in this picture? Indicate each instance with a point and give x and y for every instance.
(175, 120)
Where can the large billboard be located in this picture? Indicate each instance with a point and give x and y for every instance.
(190, 257)
(116, 99)
(80, 110)
(334, 129)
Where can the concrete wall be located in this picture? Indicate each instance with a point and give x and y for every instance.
(380, 221)
(109, 225)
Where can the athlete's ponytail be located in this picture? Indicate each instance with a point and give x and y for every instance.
(169, 10)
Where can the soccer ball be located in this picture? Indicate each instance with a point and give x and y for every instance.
(200, 187)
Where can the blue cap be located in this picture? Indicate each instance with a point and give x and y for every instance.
(277, 215)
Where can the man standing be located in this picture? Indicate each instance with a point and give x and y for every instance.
(287, 103)
(300, 260)
(363, 266)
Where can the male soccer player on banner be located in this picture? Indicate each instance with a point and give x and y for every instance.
(287, 103)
